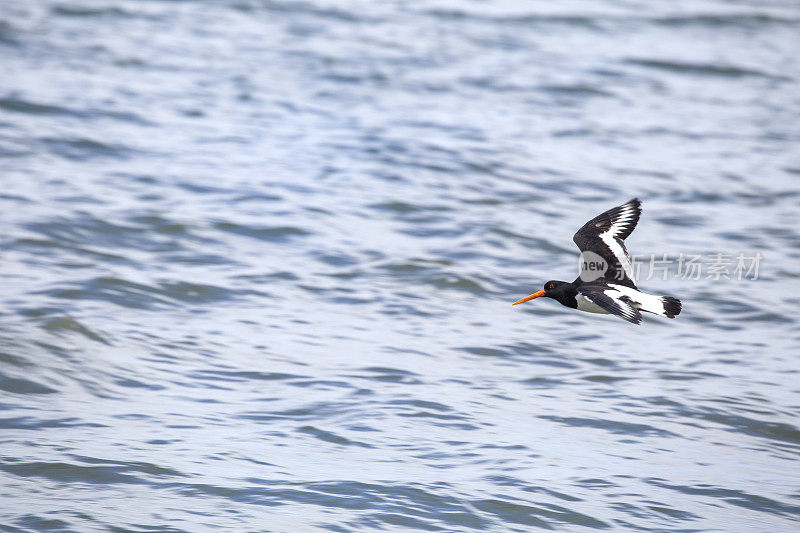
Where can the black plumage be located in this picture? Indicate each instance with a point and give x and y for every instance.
(612, 289)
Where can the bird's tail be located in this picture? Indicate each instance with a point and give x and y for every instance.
(672, 306)
(662, 305)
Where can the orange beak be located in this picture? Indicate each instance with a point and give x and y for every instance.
(531, 297)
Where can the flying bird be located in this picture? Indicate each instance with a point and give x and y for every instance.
(605, 284)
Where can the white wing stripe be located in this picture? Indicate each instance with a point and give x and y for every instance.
(641, 300)
(614, 302)
(616, 295)
(623, 220)
(619, 253)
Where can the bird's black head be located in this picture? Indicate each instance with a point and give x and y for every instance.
(552, 289)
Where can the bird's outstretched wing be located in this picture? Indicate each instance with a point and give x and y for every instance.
(604, 236)
(613, 302)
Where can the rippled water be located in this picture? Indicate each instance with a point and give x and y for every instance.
(257, 260)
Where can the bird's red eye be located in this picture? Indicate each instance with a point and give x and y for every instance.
(551, 286)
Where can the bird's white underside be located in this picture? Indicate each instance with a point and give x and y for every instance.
(585, 304)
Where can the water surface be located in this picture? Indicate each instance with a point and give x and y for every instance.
(257, 260)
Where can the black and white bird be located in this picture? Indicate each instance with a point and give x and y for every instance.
(605, 284)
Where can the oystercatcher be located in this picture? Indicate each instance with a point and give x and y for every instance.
(605, 284)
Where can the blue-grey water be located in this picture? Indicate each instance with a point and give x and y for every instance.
(257, 259)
